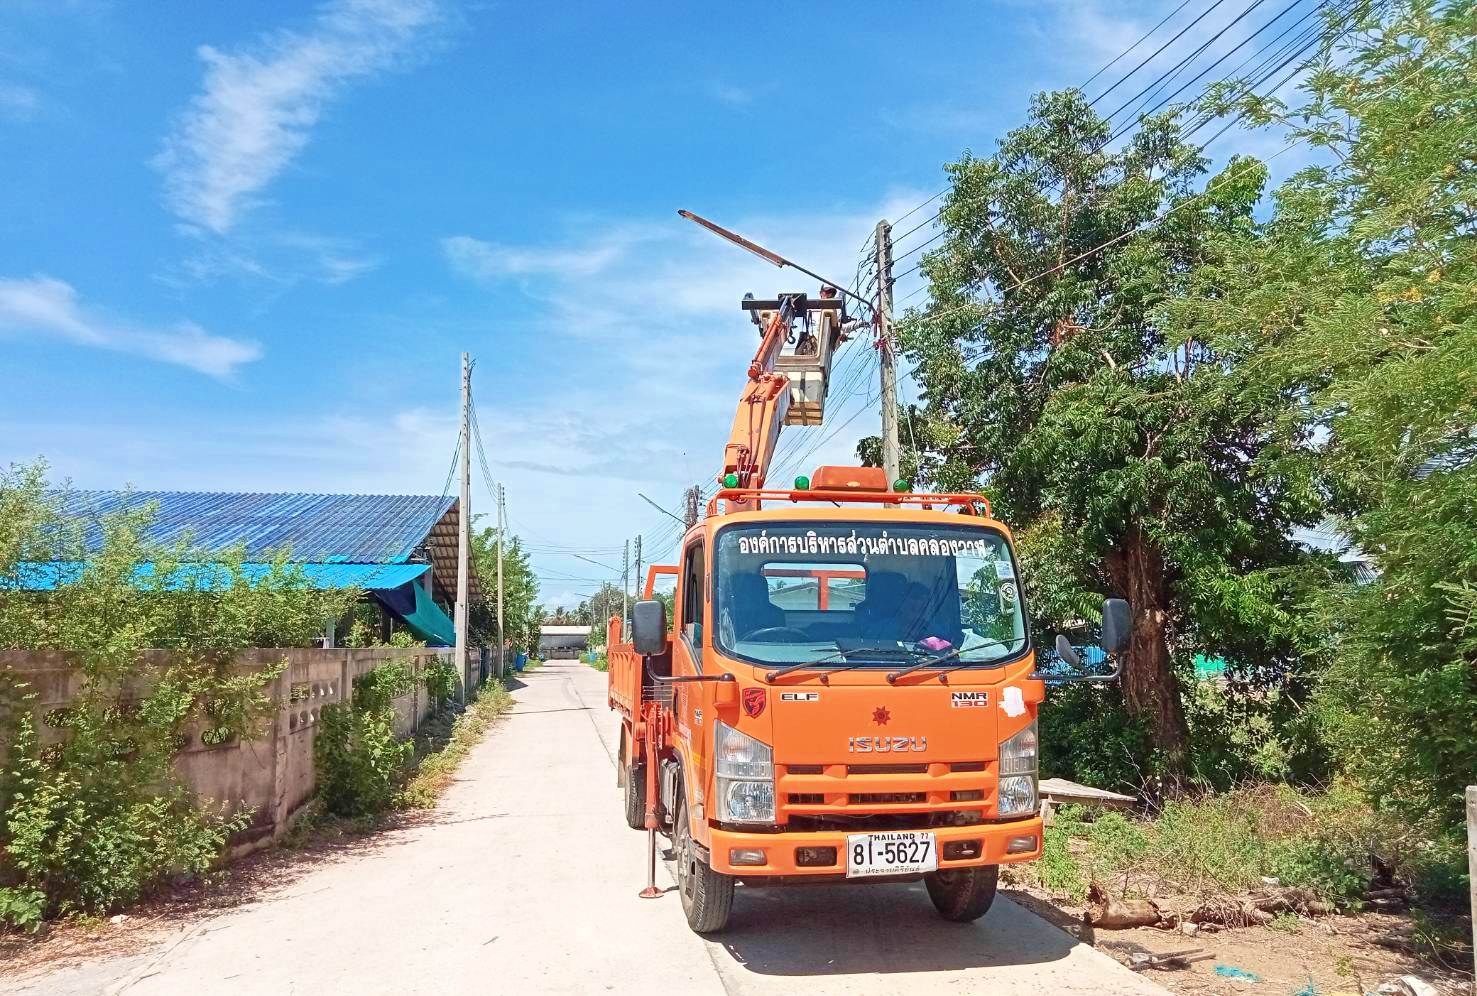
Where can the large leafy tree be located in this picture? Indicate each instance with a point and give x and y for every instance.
(1138, 457)
(1360, 298)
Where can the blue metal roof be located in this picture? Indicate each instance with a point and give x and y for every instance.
(48, 576)
(372, 529)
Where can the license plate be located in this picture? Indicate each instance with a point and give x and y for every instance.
(894, 852)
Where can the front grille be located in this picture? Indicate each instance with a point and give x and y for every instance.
(884, 821)
(885, 769)
(885, 798)
(847, 796)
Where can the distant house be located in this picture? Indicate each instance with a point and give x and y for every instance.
(556, 642)
(400, 549)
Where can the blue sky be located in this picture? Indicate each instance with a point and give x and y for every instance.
(243, 245)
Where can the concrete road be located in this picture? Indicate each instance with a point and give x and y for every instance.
(525, 881)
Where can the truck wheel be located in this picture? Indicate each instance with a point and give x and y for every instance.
(636, 797)
(632, 778)
(707, 896)
(963, 894)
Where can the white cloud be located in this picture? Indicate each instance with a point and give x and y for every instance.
(733, 96)
(489, 260)
(18, 103)
(43, 305)
(258, 106)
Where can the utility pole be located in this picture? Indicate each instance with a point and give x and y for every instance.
(888, 360)
(464, 526)
(501, 519)
(693, 496)
(638, 592)
(625, 586)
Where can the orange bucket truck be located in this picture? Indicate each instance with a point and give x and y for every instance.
(847, 688)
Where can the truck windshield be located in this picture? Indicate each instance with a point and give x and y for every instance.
(859, 594)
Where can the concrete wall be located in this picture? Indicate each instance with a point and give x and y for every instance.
(272, 775)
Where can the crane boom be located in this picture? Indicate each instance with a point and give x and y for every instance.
(784, 387)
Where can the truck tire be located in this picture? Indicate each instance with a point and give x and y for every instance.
(963, 894)
(632, 778)
(636, 797)
(707, 896)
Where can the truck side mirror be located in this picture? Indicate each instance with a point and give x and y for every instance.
(649, 627)
(1117, 624)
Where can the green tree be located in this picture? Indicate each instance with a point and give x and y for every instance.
(596, 610)
(1359, 298)
(1141, 458)
(520, 590)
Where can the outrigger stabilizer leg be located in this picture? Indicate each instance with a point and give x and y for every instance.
(651, 891)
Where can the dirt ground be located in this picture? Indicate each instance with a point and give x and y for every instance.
(1311, 956)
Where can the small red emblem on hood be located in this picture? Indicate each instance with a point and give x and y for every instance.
(880, 715)
(754, 700)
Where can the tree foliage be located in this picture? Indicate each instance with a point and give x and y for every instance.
(521, 619)
(1158, 374)
(1137, 456)
(1360, 299)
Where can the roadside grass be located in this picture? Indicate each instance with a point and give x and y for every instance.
(1332, 843)
(444, 741)
(601, 663)
(532, 664)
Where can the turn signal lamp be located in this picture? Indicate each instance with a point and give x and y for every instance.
(730, 480)
(802, 483)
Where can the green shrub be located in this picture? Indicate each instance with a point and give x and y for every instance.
(1088, 737)
(98, 819)
(360, 762)
(441, 681)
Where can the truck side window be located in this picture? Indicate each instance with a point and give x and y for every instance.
(693, 590)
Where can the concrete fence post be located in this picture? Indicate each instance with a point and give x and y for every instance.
(1472, 866)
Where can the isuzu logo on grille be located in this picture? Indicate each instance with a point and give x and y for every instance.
(885, 745)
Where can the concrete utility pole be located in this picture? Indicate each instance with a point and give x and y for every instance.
(1472, 863)
(625, 586)
(500, 527)
(888, 360)
(694, 495)
(464, 526)
(638, 592)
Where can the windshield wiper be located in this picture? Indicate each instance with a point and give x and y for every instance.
(847, 653)
(893, 676)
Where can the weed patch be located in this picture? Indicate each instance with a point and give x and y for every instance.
(444, 742)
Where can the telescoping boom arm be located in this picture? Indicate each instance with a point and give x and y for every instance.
(785, 386)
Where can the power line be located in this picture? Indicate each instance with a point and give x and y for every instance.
(1317, 35)
(1189, 58)
(1160, 218)
(1135, 45)
(1127, 76)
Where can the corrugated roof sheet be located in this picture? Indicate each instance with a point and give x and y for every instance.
(371, 577)
(376, 529)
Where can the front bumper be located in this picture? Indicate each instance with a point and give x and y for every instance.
(780, 848)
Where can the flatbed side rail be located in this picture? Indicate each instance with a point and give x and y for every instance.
(623, 679)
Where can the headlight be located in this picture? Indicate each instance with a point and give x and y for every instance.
(1018, 755)
(745, 769)
(1019, 760)
(1017, 795)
